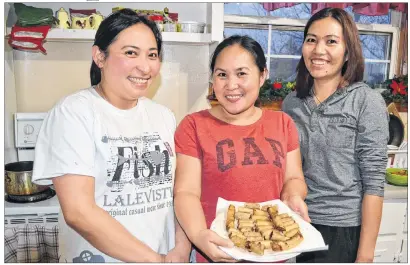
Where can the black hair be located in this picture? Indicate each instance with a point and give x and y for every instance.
(246, 42)
(109, 29)
(352, 69)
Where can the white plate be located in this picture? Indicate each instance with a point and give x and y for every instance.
(312, 239)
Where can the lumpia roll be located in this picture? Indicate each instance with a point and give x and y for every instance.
(252, 205)
(245, 210)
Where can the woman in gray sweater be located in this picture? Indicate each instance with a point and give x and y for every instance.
(343, 131)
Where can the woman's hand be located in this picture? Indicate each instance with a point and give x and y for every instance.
(179, 254)
(208, 242)
(298, 205)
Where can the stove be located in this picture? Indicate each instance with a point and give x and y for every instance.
(19, 209)
(44, 195)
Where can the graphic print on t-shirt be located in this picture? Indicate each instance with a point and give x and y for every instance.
(227, 157)
(143, 161)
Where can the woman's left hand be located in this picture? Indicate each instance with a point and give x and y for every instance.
(179, 254)
(298, 205)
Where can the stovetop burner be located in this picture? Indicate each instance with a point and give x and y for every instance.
(44, 195)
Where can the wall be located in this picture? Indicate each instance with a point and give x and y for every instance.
(41, 80)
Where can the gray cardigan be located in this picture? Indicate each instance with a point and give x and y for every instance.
(343, 143)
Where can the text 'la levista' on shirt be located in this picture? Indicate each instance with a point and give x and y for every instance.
(131, 156)
(239, 163)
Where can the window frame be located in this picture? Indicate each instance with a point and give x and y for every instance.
(286, 24)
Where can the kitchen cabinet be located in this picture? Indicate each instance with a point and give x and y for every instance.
(209, 13)
(392, 231)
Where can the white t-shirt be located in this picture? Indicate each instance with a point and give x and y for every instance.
(131, 155)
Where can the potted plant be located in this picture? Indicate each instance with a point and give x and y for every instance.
(397, 91)
(273, 92)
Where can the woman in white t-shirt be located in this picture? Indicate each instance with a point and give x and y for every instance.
(109, 152)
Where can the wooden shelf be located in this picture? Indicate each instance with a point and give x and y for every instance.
(56, 34)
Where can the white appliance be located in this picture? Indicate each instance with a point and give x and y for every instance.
(26, 129)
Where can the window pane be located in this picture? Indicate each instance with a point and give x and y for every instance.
(286, 42)
(375, 46)
(301, 11)
(248, 9)
(284, 69)
(375, 73)
(260, 35)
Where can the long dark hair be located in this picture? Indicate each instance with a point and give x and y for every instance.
(249, 44)
(110, 28)
(353, 68)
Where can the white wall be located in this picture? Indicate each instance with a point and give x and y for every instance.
(41, 80)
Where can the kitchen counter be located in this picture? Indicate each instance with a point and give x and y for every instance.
(395, 192)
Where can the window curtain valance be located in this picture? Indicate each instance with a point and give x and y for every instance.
(369, 9)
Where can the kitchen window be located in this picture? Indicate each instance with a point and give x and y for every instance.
(280, 33)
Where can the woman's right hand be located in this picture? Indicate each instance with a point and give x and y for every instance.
(208, 241)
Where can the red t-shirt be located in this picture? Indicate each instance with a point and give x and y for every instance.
(239, 163)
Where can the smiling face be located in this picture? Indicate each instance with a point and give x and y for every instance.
(132, 63)
(324, 49)
(236, 79)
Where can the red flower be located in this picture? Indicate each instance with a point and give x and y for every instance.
(277, 85)
(398, 88)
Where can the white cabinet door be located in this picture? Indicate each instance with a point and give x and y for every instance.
(385, 249)
(403, 255)
(392, 218)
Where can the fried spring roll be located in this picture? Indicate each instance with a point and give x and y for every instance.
(246, 229)
(294, 241)
(273, 211)
(267, 234)
(288, 223)
(260, 212)
(292, 232)
(265, 207)
(245, 225)
(251, 234)
(241, 215)
(264, 228)
(257, 247)
(245, 221)
(245, 210)
(278, 237)
(283, 215)
(238, 241)
(286, 219)
(252, 205)
(254, 238)
(267, 244)
(292, 226)
(230, 230)
(263, 222)
(237, 234)
(279, 246)
(260, 217)
(230, 224)
(276, 246)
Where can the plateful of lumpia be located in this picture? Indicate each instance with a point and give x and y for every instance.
(258, 229)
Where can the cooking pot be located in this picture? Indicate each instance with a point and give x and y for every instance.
(396, 131)
(18, 179)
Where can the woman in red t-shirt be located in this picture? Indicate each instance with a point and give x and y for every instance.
(235, 150)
